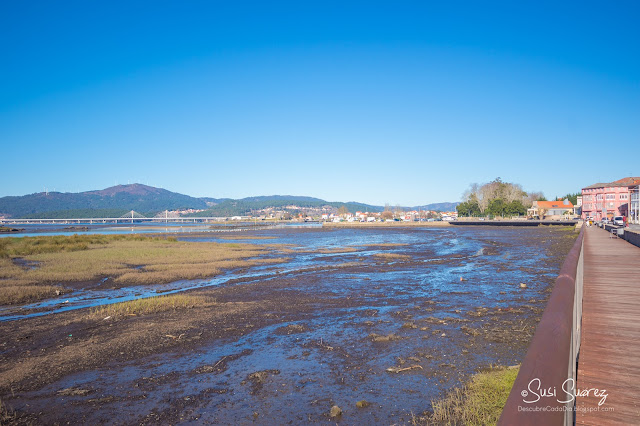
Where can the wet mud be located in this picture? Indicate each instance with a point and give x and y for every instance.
(378, 337)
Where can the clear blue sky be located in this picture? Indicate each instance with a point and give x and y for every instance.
(399, 102)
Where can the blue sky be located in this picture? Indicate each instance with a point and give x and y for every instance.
(380, 102)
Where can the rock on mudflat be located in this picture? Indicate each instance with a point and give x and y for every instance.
(335, 411)
(363, 404)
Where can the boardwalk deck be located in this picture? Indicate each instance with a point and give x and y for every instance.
(610, 344)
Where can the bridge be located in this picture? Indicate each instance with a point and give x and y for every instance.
(131, 217)
(583, 364)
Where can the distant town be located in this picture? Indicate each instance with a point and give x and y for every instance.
(496, 200)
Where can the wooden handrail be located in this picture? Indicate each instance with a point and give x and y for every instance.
(549, 357)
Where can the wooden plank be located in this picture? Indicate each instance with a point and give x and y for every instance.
(610, 343)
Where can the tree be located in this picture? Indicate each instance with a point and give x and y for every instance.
(573, 198)
(512, 198)
(387, 213)
(496, 207)
(343, 210)
(468, 208)
(515, 208)
(541, 212)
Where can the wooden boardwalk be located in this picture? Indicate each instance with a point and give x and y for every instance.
(610, 343)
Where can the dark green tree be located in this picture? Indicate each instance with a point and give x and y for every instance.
(468, 208)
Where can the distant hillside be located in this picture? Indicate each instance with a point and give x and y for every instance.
(439, 207)
(245, 206)
(141, 198)
(213, 201)
(147, 200)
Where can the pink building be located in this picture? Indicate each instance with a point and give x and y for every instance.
(608, 199)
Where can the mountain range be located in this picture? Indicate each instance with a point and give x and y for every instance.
(117, 200)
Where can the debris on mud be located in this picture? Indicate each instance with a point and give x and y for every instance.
(479, 312)
(222, 364)
(470, 331)
(258, 378)
(73, 392)
(401, 369)
(409, 325)
(292, 329)
(388, 338)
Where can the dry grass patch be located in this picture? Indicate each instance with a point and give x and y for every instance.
(337, 250)
(22, 292)
(153, 305)
(125, 259)
(392, 256)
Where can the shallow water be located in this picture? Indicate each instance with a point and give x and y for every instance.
(461, 248)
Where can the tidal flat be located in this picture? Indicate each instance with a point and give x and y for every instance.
(317, 318)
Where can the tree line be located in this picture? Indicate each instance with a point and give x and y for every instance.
(496, 198)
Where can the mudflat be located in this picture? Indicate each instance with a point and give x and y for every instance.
(393, 317)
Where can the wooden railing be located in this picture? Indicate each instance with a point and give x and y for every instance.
(538, 396)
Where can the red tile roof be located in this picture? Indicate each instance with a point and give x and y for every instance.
(628, 181)
(555, 205)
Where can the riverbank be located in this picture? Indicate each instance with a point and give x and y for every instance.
(394, 224)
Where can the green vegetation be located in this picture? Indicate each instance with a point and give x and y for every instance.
(125, 259)
(496, 198)
(468, 209)
(480, 402)
(571, 197)
(153, 305)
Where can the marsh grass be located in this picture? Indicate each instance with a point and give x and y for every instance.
(126, 259)
(392, 256)
(26, 291)
(26, 246)
(337, 250)
(479, 402)
(152, 305)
